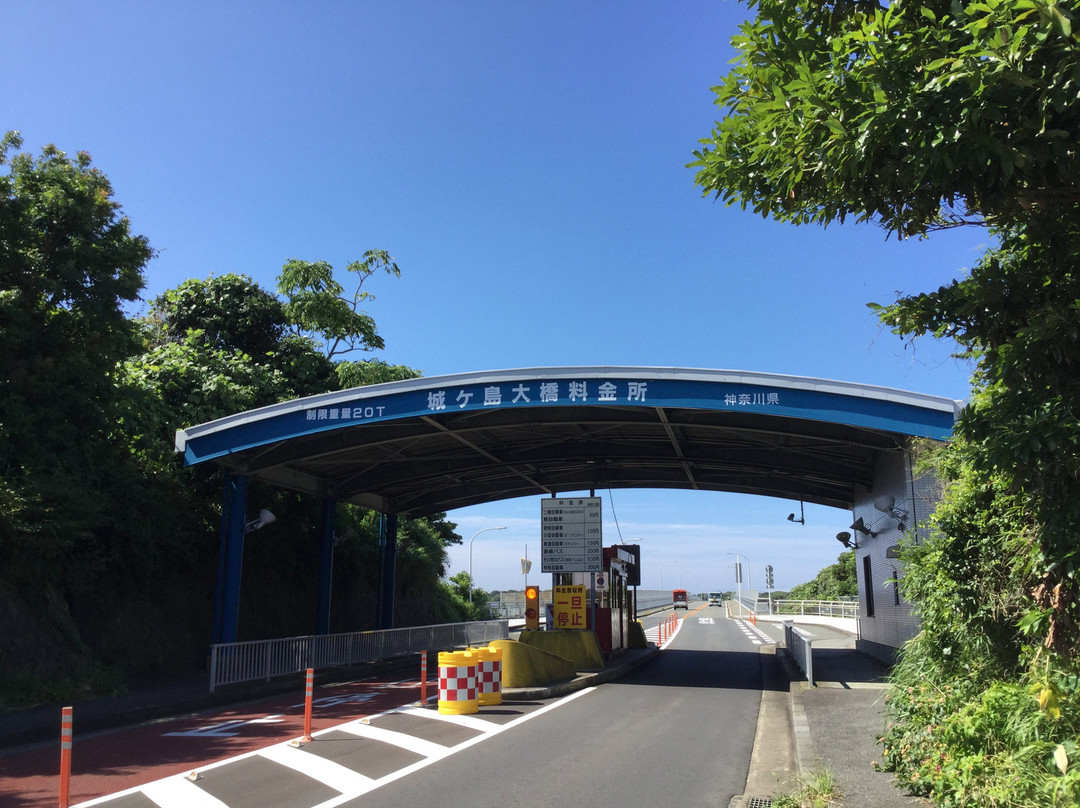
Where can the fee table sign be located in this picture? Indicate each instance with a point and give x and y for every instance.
(570, 535)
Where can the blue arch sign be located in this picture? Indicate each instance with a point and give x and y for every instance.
(884, 409)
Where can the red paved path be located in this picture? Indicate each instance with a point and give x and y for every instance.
(116, 760)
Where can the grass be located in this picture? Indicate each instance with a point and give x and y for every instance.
(818, 788)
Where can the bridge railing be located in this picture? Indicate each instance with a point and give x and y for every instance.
(231, 663)
(821, 608)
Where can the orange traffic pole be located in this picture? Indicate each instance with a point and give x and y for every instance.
(65, 755)
(309, 692)
(423, 677)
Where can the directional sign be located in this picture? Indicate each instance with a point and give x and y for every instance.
(570, 535)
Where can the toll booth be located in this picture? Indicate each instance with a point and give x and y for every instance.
(613, 605)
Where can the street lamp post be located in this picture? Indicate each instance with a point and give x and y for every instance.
(477, 533)
(662, 563)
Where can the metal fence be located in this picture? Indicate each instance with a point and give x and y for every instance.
(647, 600)
(798, 645)
(231, 663)
(821, 608)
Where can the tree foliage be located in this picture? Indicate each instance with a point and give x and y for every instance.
(68, 263)
(317, 306)
(913, 115)
(916, 116)
(108, 546)
(834, 582)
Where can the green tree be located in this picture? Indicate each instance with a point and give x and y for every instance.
(219, 346)
(474, 601)
(68, 264)
(912, 115)
(224, 345)
(318, 308)
(833, 582)
(70, 504)
(372, 371)
(917, 116)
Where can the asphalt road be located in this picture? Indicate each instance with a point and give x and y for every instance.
(679, 729)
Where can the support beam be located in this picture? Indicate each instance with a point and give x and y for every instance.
(326, 567)
(387, 569)
(230, 558)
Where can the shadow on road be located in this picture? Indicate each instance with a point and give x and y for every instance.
(739, 670)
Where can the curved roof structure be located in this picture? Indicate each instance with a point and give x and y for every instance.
(444, 442)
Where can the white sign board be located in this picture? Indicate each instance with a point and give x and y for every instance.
(570, 535)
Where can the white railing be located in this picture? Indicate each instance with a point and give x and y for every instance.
(231, 663)
(820, 608)
(798, 645)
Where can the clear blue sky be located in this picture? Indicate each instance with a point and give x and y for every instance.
(524, 162)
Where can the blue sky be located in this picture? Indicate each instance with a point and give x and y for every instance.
(524, 162)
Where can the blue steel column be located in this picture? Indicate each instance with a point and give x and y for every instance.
(230, 558)
(326, 567)
(387, 569)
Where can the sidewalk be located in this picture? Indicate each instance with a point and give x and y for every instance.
(836, 726)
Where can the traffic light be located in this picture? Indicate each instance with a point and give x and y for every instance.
(532, 608)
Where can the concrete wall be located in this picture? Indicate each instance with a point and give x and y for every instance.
(889, 622)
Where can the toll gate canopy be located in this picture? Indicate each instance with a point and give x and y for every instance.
(445, 442)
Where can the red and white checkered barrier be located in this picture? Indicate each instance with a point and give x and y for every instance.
(457, 683)
(489, 680)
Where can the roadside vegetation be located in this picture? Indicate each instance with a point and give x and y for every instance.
(108, 546)
(916, 117)
(834, 582)
(816, 789)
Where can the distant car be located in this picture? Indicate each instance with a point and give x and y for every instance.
(715, 599)
(679, 599)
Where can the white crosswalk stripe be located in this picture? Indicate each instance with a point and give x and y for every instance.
(179, 792)
(325, 771)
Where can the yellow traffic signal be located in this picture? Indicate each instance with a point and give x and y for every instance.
(532, 607)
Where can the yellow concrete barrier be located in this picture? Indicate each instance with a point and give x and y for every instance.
(526, 666)
(580, 647)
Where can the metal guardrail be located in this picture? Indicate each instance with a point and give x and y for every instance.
(799, 646)
(821, 608)
(648, 600)
(231, 663)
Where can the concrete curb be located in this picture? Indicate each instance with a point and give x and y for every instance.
(805, 754)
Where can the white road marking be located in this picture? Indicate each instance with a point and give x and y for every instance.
(332, 774)
(223, 730)
(755, 634)
(179, 792)
(469, 721)
(413, 744)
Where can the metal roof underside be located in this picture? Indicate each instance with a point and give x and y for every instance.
(451, 458)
